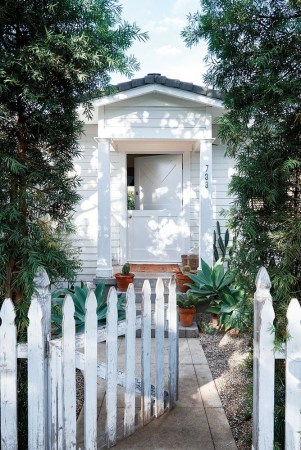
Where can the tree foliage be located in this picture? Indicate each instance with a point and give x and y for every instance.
(254, 58)
(54, 55)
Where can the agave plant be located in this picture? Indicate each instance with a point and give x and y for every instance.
(210, 283)
(79, 296)
(226, 299)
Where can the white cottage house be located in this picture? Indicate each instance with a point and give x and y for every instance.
(157, 136)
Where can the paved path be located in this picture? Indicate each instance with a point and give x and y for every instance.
(197, 422)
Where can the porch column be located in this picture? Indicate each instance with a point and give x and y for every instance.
(104, 256)
(206, 211)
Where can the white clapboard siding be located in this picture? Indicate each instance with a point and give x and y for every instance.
(146, 353)
(293, 375)
(130, 360)
(111, 380)
(69, 382)
(8, 376)
(90, 403)
(36, 377)
(173, 350)
(159, 405)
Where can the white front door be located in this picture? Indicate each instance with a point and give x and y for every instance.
(157, 228)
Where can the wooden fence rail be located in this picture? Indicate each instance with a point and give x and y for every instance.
(52, 364)
(264, 369)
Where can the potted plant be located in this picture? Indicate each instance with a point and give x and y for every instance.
(217, 286)
(124, 278)
(186, 306)
(183, 278)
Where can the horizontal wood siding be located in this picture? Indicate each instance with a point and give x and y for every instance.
(86, 211)
(222, 170)
(158, 112)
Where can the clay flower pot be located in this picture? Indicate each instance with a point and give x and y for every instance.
(186, 316)
(181, 279)
(123, 281)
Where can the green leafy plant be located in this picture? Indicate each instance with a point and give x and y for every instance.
(187, 300)
(220, 244)
(126, 268)
(79, 296)
(226, 299)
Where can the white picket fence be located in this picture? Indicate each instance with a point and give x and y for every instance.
(52, 364)
(264, 369)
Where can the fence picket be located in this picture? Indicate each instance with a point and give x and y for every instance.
(8, 376)
(111, 381)
(69, 386)
(90, 404)
(159, 405)
(36, 377)
(266, 377)
(56, 395)
(51, 373)
(293, 378)
(146, 354)
(130, 360)
(173, 350)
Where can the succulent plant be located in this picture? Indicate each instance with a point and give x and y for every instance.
(186, 269)
(126, 268)
(79, 297)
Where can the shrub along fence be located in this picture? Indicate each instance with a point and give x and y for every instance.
(52, 364)
(264, 369)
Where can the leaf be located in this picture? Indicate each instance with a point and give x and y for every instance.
(80, 298)
(100, 293)
(207, 272)
(227, 236)
(217, 275)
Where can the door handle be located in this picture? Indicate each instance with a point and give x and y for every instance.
(130, 216)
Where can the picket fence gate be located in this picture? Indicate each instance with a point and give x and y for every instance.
(52, 364)
(264, 369)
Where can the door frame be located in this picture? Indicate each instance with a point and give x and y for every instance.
(186, 154)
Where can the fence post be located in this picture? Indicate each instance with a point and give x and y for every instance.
(261, 296)
(8, 376)
(43, 296)
(292, 369)
(173, 343)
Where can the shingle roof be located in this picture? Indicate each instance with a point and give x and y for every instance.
(157, 78)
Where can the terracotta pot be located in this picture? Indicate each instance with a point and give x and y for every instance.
(184, 259)
(123, 281)
(186, 316)
(181, 279)
(193, 262)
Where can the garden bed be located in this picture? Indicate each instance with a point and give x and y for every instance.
(225, 353)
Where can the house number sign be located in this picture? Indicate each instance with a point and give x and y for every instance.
(206, 177)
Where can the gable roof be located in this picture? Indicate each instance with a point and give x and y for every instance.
(157, 78)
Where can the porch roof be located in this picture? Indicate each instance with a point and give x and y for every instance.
(157, 78)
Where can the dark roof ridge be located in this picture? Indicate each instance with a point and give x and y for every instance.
(157, 78)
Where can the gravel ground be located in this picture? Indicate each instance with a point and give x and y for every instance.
(225, 353)
(79, 391)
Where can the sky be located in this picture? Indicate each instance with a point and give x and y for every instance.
(165, 51)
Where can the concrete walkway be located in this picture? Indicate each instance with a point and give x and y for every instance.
(198, 421)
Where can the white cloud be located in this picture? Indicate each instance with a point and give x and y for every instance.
(167, 50)
(164, 25)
